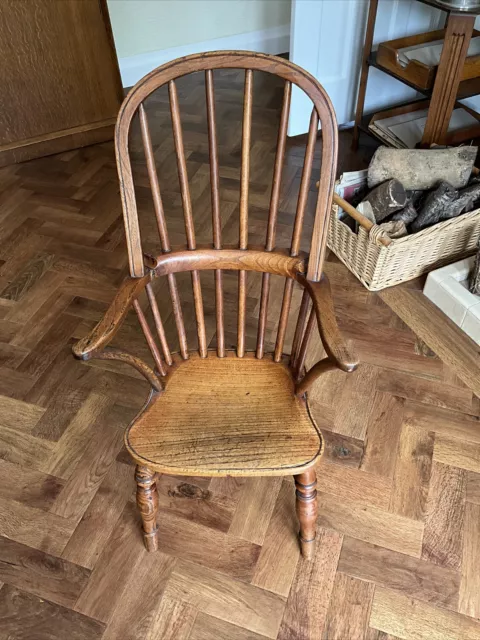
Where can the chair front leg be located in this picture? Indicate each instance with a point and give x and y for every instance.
(307, 510)
(147, 501)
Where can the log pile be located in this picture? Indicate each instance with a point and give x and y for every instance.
(412, 189)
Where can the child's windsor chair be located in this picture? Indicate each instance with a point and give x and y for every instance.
(225, 413)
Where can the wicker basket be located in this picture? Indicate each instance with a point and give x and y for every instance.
(378, 266)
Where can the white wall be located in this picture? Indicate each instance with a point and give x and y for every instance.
(327, 40)
(150, 32)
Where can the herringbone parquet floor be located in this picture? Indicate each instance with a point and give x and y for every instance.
(398, 553)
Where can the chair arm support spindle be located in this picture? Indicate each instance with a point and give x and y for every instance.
(122, 356)
(338, 353)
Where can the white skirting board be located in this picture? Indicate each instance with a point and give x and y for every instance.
(448, 289)
(274, 40)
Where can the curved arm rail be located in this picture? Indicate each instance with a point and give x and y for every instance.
(339, 355)
(95, 343)
(274, 262)
(111, 322)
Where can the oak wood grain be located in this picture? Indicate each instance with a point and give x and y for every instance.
(469, 600)
(25, 615)
(313, 582)
(414, 577)
(442, 542)
(239, 416)
(351, 619)
(230, 600)
(410, 619)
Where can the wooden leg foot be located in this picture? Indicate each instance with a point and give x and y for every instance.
(147, 501)
(307, 509)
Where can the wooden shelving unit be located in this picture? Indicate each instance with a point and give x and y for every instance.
(447, 89)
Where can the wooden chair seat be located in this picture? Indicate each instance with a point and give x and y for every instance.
(226, 416)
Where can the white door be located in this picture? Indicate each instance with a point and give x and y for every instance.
(327, 39)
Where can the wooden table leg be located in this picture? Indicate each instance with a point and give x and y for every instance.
(362, 90)
(449, 73)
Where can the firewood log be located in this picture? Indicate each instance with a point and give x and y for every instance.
(435, 207)
(407, 214)
(444, 203)
(422, 168)
(386, 199)
(464, 201)
(474, 279)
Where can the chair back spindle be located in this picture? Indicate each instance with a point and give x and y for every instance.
(221, 257)
(215, 197)
(273, 213)
(188, 215)
(243, 227)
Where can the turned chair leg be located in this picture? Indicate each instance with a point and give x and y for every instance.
(147, 501)
(307, 509)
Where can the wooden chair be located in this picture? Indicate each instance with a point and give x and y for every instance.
(226, 413)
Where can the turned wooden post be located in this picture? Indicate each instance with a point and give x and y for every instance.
(362, 89)
(447, 80)
(307, 509)
(147, 501)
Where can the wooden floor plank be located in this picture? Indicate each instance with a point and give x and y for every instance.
(19, 415)
(473, 487)
(470, 585)
(465, 455)
(448, 424)
(383, 431)
(87, 476)
(32, 488)
(349, 610)
(313, 583)
(34, 527)
(222, 597)
(138, 611)
(426, 320)
(443, 538)
(416, 578)
(358, 389)
(119, 560)
(342, 450)
(255, 508)
(280, 551)
(371, 524)
(41, 574)
(352, 484)
(207, 627)
(71, 445)
(23, 615)
(190, 499)
(412, 473)
(417, 389)
(210, 548)
(411, 619)
(99, 520)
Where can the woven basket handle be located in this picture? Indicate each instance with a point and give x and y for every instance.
(376, 234)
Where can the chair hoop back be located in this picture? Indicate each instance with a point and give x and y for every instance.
(322, 113)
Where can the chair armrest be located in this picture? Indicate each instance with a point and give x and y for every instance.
(108, 326)
(339, 355)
